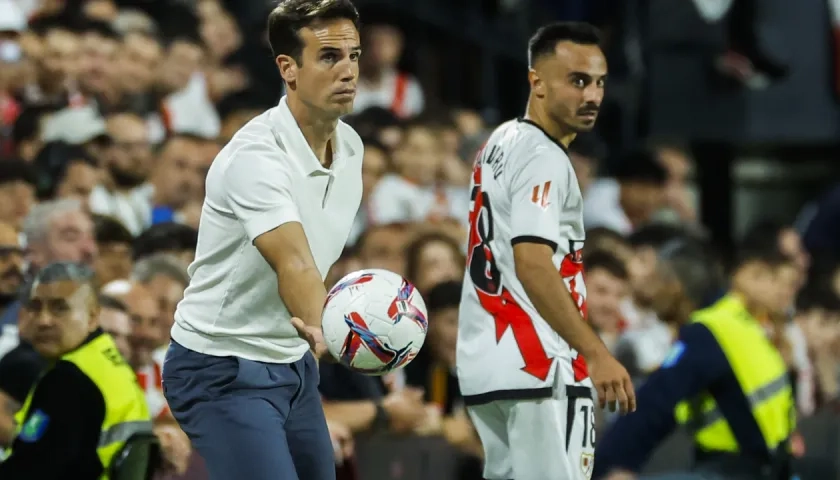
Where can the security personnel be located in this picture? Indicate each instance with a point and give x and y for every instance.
(725, 380)
(87, 403)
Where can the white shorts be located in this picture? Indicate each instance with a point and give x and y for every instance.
(544, 439)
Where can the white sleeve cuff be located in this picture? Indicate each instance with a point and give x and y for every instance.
(269, 220)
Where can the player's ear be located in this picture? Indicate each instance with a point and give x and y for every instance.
(537, 85)
(288, 68)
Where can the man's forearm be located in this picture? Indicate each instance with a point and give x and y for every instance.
(552, 300)
(303, 292)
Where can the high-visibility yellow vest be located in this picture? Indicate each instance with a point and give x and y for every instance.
(761, 372)
(126, 412)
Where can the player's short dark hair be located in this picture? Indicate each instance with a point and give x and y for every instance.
(641, 165)
(604, 260)
(546, 38)
(288, 17)
(109, 231)
(444, 295)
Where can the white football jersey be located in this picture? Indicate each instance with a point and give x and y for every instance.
(523, 190)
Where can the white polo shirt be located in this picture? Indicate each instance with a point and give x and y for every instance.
(265, 177)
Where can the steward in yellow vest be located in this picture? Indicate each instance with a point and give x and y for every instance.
(87, 403)
(725, 381)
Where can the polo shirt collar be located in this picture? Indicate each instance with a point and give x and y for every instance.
(296, 142)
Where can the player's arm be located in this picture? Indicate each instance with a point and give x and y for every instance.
(695, 362)
(259, 191)
(63, 423)
(538, 189)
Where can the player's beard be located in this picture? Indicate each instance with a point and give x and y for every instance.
(125, 178)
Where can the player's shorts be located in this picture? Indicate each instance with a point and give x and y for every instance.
(542, 439)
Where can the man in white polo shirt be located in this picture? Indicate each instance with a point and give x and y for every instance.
(280, 203)
(522, 334)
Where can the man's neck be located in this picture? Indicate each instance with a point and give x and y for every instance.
(535, 113)
(318, 130)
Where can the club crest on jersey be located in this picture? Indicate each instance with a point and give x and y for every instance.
(587, 463)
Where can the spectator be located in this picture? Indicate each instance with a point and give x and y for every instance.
(431, 259)
(607, 284)
(382, 246)
(631, 197)
(70, 172)
(381, 84)
(11, 281)
(433, 370)
(178, 178)
(113, 242)
(126, 166)
(586, 153)
(17, 191)
(166, 278)
(375, 164)
(115, 321)
(413, 193)
(59, 231)
(169, 238)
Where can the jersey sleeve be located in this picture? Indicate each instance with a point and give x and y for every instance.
(538, 188)
(258, 185)
(63, 424)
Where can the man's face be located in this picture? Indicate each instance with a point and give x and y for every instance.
(11, 263)
(130, 157)
(139, 60)
(97, 62)
(790, 243)
(443, 333)
(168, 293)
(16, 198)
(117, 324)
(114, 262)
(604, 295)
(60, 315)
(326, 78)
(438, 263)
(374, 166)
(641, 200)
(179, 175)
(60, 56)
(571, 82)
(79, 181)
(383, 247)
(418, 156)
(145, 329)
(69, 239)
(181, 61)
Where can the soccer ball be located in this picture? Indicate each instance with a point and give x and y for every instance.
(374, 321)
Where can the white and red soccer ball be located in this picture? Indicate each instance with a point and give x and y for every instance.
(374, 321)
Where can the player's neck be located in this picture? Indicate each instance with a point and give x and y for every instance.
(318, 130)
(557, 131)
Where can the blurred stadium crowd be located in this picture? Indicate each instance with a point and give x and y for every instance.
(111, 113)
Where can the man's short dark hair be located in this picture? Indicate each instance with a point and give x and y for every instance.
(641, 165)
(603, 260)
(109, 231)
(286, 20)
(547, 37)
(17, 170)
(165, 237)
(444, 295)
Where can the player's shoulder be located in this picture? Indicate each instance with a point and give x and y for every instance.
(255, 148)
(525, 142)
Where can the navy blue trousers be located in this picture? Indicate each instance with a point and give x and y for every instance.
(250, 420)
